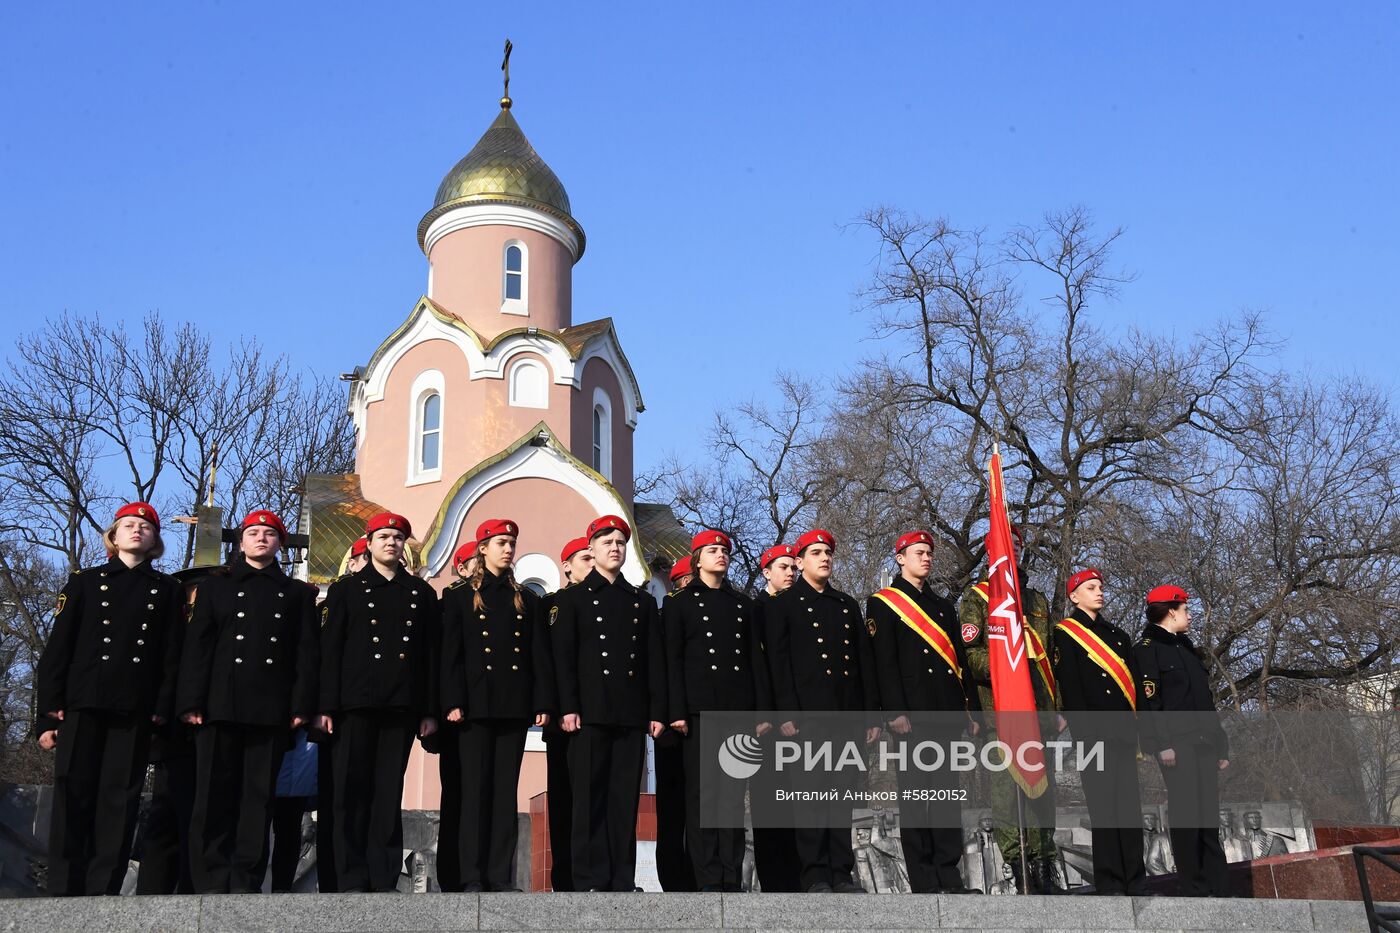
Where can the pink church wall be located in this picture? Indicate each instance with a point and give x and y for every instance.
(478, 421)
(598, 374)
(467, 278)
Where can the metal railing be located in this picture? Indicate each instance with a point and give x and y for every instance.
(1385, 917)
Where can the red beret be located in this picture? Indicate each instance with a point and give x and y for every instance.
(496, 526)
(359, 547)
(815, 536)
(264, 517)
(1016, 533)
(140, 510)
(464, 553)
(774, 552)
(680, 568)
(708, 537)
(388, 520)
(572, 548)
(607, 523)
(1167, 594)
(1082, 577)
(913, 537)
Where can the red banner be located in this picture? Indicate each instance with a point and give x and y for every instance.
(1018, 726)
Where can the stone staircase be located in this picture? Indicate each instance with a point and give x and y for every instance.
(373, 913)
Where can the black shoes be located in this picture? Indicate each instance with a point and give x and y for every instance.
(821, 887)
(847, 887)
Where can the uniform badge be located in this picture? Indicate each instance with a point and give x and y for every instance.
(969, 632)
(553, 614)
(1149, 688)
(325, 614)
(62, 601)
(870, 626)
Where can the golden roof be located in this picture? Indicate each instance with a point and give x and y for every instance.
(502, 168)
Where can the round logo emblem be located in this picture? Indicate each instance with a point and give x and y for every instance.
(969, 633)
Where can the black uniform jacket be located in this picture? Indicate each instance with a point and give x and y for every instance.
(912, 676)
(818, 651)
(714, 655)
(1084, 686)
(251, 652)
(608, 654)
(379, 644)
(496, 661)
(115, 643)
(1176, 706)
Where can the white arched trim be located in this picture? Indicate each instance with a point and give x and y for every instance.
(600, 429)
(528, 384)
(429, 382)
(427, 322)
(500, 215)
(540, 568)
(527, 461)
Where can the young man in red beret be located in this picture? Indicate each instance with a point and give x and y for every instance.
(1099, 684)
(927, 694)
(446, 742)
(1181, 729)
(247, 678)
(674, 869)
(821, 663)
(775, 858)
(105, 676)
(714, 663)
(379, 690)
(609, 663)
(576, 560)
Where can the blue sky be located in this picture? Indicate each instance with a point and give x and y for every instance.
(261, 168)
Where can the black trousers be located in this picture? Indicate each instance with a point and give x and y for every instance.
(165, 839)
(673, 854)
(714, 819)
(1193, 814)
(449, 848)
(235, 776)
(560, 809)
(491, 753)
(605, 764)
(1116, 820)
(371, 752)
(325, 815)
(287, 818)
(930, 831)
(98, 773)
(774, 841)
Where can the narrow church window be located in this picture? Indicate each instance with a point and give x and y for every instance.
(515, 273)
(431, 437)
(598, 438)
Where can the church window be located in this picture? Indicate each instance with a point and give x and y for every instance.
(426, 420)
(429, 447)
(515, 272)
(602, 434)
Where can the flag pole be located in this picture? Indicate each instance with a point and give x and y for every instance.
(1021, 835)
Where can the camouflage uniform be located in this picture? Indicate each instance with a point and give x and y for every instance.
(1040, 812)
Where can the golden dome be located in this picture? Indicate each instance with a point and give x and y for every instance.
(502, 168)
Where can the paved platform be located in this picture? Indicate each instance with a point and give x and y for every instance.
(349, 913)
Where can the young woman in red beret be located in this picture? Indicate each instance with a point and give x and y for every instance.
(106, 674)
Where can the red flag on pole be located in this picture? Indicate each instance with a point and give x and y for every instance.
(1018, 726)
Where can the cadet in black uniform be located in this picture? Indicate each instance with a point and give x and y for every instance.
(922, 667)
(714, 662)
(379, 670)
(607, 654)
(821, 662)
(577, 561)
(497, 681)
(1097, 675)
(673, 865)
(106, 674)
(247, 678)
(775, 859)
(446, 743)
(1179, 725)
